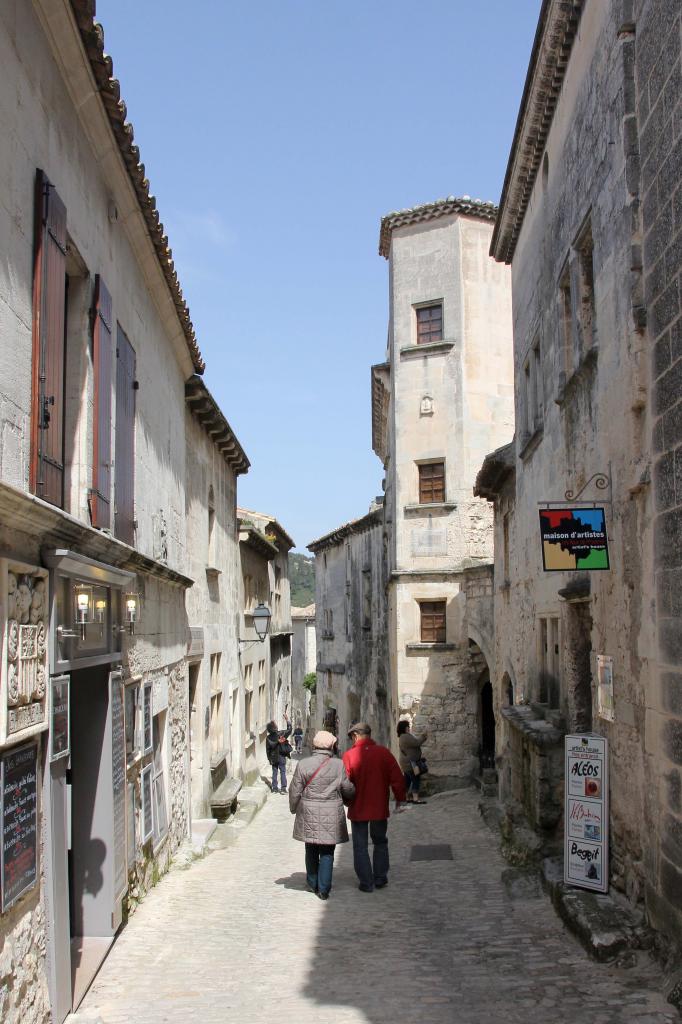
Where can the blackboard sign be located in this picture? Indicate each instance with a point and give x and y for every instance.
(118, 780)
(59, 717)
(19, 806)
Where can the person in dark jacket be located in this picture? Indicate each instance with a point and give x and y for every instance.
(278, 749)
(318, 791)
(374, 771)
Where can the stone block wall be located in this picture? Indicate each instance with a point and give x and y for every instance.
(656, 114)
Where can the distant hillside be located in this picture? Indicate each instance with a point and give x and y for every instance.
(302, 580)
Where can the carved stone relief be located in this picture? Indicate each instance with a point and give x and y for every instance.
(25, 610)
(426, 406)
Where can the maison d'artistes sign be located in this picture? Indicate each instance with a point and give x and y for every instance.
(573, 538)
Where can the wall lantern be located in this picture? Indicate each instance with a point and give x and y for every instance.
(83, 600)
(100, 609)
(261, 616)
(132, 608)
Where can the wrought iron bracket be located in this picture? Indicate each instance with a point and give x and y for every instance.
(601, 481)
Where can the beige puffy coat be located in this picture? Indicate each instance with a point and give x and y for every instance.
(318, 806)
(410, 745)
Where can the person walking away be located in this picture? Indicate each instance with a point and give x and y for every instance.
(317, 794)
(410, 753)
(298, 739)
(278, 749)
(374, 771)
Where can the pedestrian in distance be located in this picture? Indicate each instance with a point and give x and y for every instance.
(319, 789)
(278, 749)
(374, 772)
(410, 757)
(298, 739)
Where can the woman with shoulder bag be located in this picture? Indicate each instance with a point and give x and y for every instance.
(317, 794)
(411, 760)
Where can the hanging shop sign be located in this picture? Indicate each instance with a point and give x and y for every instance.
(586, 831)
(19, 817)
(605, 705)
(573, 538)
(60, 740)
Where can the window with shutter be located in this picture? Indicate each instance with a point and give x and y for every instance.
(49, 300)
(431, 483)
(432, 622)
(124, 453)
(429, 324)
(100, 495)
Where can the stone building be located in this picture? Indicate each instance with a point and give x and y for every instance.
(352, 628)
(441, 400)
(265, 666)
(303, 662)
(590, 222)
(214, 460)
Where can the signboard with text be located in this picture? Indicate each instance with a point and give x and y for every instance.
(573, 538)
(19, 816)
(586, 824)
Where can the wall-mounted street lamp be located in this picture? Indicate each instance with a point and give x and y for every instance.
(83, 599)
(261, 623)
(132, 607)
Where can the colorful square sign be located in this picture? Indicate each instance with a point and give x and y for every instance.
(573, 538)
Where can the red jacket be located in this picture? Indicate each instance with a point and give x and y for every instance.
(372, 769)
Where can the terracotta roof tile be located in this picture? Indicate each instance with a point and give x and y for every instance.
(484, 210)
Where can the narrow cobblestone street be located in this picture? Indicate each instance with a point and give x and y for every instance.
(237, 938)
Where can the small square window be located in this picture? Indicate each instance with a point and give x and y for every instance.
(431, 483)
(429, 324)
(432, 622)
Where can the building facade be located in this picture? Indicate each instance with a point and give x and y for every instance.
(265, 665)
(352, 628)
(441, 400)
(214, 460)
(588, 221)
(303, 663)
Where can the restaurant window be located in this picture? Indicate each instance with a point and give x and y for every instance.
(432, 615)
(429, 323)
(431, 482)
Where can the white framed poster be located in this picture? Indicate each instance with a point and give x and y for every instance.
(147, 815)
(586, 819)
(605, 706)
(147, 719)
(60, 717)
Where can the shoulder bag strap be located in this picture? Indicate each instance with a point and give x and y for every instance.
(318, 769)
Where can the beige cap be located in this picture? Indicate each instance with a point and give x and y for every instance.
(324, 740)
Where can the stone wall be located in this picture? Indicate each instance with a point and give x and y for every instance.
(655, 115)
(23, 984)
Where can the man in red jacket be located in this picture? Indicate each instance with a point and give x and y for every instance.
(374, 771)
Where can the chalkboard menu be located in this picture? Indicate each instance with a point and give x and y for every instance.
(118, 780)
(19, 814)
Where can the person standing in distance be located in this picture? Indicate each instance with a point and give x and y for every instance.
(278, 749)
(374, 772)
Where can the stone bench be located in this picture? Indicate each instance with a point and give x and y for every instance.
(224, 799)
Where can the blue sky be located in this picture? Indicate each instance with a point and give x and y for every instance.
(275, 134)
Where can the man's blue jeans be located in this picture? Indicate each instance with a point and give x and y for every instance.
(282, 769)
(319, 865)
(374, 872)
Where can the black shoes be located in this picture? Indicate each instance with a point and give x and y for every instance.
(365, 888)
(322, 895)
(380, 885)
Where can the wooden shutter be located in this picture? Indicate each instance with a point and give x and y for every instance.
(100, 494)
(432, 622)
(431, 483)
(429, 324)
(124, 455)
(49, 305)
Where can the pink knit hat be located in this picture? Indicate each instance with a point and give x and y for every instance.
(324, 740)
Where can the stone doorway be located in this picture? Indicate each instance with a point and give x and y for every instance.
(487, 727)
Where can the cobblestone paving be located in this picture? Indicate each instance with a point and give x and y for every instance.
(238, 939)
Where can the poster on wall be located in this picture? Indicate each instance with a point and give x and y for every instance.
(586, 832)
(60, 741)
(605, 704)
(573, 538)
(19, 816)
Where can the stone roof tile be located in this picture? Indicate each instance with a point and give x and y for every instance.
(465, 205)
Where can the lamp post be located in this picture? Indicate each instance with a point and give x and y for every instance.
(261, 623)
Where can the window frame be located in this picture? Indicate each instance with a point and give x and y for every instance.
(426, 337)
(439, 630)
(423, 478)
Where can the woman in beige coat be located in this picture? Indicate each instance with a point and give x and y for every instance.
(410, 752)
(317, 794)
